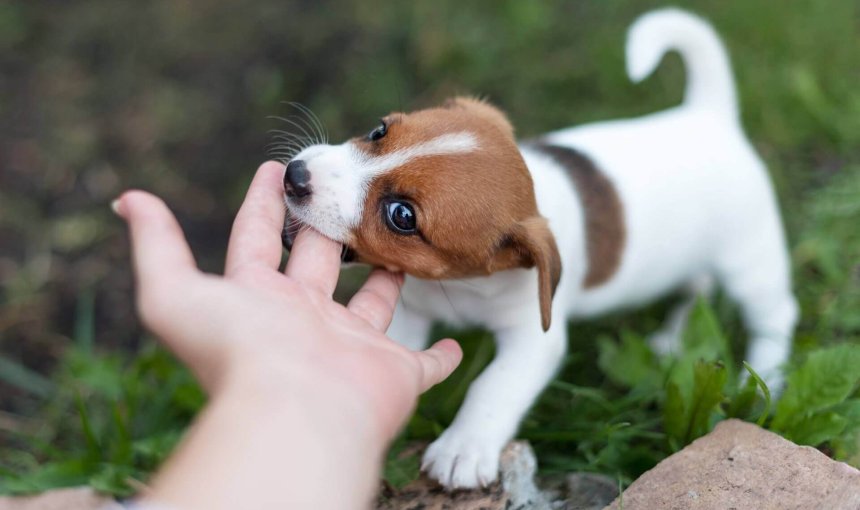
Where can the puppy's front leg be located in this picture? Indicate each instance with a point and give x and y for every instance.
(409, 328)
(466, 455)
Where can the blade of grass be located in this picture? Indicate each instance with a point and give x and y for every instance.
(85, 320)
(18, 375)
(93, 447)
(765, 390)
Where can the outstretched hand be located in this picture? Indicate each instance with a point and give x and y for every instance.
(278, 333)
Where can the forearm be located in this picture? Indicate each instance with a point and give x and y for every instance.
(252, 449)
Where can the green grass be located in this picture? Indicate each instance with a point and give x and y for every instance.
(92, 400)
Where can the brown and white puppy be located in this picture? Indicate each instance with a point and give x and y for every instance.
(631, 210)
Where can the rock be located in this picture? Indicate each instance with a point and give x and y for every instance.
(515, 490)
(76, 498)
(741, 466)
(579, 491)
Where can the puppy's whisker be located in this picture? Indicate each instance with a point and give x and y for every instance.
(283, 146)
(283, 143)
(288, 138)
(314, 118)
(282, 153)
(281, 132)
(298, 126)
(447, 297)
(468, 284)
(307, 127)
(317, 137)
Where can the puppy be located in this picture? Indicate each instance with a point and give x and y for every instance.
(575, 224)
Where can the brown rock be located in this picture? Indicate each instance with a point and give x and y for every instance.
(77, 498)
(741, 466)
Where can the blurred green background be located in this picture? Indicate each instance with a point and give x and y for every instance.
(173, 96)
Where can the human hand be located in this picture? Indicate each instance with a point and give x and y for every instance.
(270, 332)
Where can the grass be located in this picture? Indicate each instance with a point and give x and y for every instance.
(89, 399)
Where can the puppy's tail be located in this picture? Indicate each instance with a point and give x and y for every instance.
(709, 74)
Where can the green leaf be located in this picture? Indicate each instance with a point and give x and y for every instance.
(631, 364)
(703, 337)
(402, 465)
(674, 416)
(152, 450)
(710, 378)
(742, 403)
(817, 429)
(828, 377)
(65, 473)
(113, 479)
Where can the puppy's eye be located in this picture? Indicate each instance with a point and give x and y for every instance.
(399, 216)
(378, 132)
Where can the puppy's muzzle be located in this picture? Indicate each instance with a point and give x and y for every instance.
(297, 180)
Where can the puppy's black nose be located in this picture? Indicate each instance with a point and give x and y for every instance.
(297, 179)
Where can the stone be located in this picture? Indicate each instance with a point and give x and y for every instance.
(741, 466)
(579, 491)
(75, 498)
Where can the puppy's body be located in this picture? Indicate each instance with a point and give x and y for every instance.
(637, 208)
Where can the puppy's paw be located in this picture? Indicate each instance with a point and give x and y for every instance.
(462, 461)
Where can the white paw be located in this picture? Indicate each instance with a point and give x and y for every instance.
(462, 461)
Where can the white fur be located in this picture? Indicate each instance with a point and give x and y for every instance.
(342, 174)
(698, 206)
(451, 143)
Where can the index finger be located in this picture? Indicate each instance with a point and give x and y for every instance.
(314, 261)
(256, 234)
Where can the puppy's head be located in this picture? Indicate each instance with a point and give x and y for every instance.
(438, 193)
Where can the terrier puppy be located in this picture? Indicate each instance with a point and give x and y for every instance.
(629, 209)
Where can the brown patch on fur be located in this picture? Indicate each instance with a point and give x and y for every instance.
(476, 211)
(605, 231)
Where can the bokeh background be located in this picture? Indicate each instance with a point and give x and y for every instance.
(174, 96)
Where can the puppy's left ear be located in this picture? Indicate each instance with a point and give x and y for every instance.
(534, 245)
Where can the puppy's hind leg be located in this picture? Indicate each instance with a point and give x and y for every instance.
(667, 340)
(757, 276)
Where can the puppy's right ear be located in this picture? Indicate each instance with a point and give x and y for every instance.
(530, 243)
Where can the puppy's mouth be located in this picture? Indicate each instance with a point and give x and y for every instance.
(291, 229)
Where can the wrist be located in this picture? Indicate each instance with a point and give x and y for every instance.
(262, 431)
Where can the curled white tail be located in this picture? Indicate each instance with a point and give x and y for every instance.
(709, 74)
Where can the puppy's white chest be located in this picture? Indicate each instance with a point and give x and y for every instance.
(496, 301)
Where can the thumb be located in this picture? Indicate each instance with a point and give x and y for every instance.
(162, 258)
(438, 362)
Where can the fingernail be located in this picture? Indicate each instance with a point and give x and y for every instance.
(114, 205)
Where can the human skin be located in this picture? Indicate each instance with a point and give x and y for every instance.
(305, 394)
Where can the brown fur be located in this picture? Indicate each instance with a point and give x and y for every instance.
(476, 211)
(605, 232)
